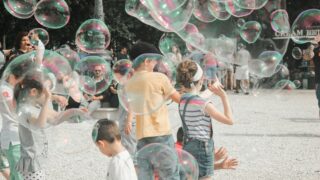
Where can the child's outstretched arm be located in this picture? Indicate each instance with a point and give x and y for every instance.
(226, 164)
(225, 117)
(60, 117)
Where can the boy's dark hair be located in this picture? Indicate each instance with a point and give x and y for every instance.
(180, 135)
(107, 130)
(142, 48)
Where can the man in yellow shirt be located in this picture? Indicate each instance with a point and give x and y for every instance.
(147, 92)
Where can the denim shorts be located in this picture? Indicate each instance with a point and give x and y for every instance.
(203, 152)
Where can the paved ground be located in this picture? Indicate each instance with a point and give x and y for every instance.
(274, 137)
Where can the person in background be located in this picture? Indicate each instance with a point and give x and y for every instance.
(123, 54)
(316, 61)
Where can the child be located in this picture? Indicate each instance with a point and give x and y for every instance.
(219, 154)
(153, 88)
(10, 142)
(34, 110)
(196, 116)
(106, 136)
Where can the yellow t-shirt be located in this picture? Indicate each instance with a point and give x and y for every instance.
(147, 92)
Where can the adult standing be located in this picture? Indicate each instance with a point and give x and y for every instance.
(316, 61)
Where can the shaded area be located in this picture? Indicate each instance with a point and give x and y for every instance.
(305, 135)
(304, 120)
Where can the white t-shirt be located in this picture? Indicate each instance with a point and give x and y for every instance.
(121, 167)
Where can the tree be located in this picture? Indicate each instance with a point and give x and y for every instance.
(98, 10)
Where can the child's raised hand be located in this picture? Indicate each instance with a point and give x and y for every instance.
(217, 88)
(47, 93)
(229, 163)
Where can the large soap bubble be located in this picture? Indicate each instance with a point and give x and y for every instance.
(250, 31)
(188, 165)
(218, 9)
(42, 34)
(202, 12)
(157, 158)
(136, 9)
(2, 59)
(52, 14)
(280, 21)
(57, 65)
(94, 69)
(265, 65)
(175, 19)
(235, 10)
(72, 56)
(122, 70)
(93, 36)
(306, 26)
(172, 43)
(251, 4)
(20, 8)
(272, 84)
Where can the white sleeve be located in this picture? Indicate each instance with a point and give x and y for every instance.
(40, 52)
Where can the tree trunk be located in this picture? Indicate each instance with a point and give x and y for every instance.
(98, 10)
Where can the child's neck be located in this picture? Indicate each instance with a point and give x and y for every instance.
(118, 148)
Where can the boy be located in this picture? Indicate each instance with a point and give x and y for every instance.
(152, 88)
(107, 137)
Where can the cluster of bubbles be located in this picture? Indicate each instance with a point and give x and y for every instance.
(48, 13)
(253, 34)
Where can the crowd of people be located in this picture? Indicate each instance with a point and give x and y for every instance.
(26, 108)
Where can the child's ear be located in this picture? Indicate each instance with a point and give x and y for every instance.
(100, 143)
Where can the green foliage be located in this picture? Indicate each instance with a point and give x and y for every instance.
(124, 29)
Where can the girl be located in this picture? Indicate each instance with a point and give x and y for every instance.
(34, 107)
(196, 116)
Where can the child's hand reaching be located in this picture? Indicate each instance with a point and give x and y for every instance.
(229, 163)
(220, 153)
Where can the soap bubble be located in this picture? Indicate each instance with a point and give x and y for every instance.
(161, 159)
(305, 27)
(251, 4)
(202, 12)
(136, 9)
(250, 31)
(52, 14)
(280, 21)
(57, 65)
(2, 60)
(218, 10)
(72, 56)
(297, 84)
(122, 70)
(93, 36)
(22, 9)
(94, 69)
(42, 34)
(236, 10)
(296, 53)
(188, 165)
(265, 65)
